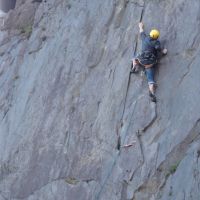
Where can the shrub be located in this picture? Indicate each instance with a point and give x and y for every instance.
(27, 30)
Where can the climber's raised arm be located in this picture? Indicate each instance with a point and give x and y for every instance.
(141, 30)
(141, 27)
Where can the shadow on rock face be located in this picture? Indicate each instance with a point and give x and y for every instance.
(6, 5)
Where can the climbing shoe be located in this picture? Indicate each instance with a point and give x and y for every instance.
(134, 71)
(152, 97)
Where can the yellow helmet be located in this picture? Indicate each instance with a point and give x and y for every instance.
(154, 34)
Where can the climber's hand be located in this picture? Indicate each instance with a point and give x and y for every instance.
(164, 51)
(141, 25)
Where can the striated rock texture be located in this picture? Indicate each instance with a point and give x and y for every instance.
(68, 105)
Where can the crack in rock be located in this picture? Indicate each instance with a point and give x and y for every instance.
(158, 180)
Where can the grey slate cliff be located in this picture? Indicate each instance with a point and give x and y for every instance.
(68, 105)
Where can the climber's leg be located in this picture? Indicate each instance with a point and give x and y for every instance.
(150, 78)
(135, 65)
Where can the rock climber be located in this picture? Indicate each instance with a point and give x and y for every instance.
(148, 58)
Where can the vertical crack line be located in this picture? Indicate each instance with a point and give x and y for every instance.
(126, 94)
(137, 134)
(123, 136)
(141, 18)
(141, 145)
(5, 113)
(142, 153)
(158, 148)
(120, 139)
(119, 142)
(134, 52)
(66, 142)
(142, 13)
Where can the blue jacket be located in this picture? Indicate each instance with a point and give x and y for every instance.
(149, 44)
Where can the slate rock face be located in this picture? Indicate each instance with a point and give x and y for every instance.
(68, 106)
(6, 5)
